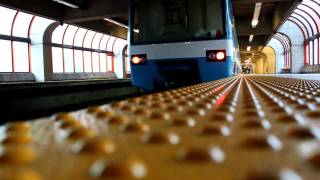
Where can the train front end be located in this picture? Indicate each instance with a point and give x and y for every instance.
(175, 43)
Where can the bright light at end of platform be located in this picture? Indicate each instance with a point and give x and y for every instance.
(249, 48)
(251, 38)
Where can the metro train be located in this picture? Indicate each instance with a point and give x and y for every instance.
(174, 43)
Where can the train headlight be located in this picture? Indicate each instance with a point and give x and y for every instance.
(220, 56)
(139, 59)
(136, 60)
(216, 55)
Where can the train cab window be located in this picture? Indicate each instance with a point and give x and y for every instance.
(177, 20)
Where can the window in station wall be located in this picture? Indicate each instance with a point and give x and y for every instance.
(15, 40)
(79, 50)
(110, 58)
(307, 17)
(95, 55)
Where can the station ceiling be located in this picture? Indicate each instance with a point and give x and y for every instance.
(91, 13)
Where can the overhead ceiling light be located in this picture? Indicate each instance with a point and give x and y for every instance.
(120, 24)
(249, 48)
(254, 23)
(255, 19)
(251, 38)
(66, 3)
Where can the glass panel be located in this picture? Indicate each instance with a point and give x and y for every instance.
(6, 22)
(276, 45)
(96, 41)
(312, 13)
(58, 34)
(318, 50)
(87, 61)
(103, 62)
(79, 37)
(95, 62)
(284, 41)
(68, 60)
(110, 43)
(316, 47)
(21, 62)
(57, 62)
(6, 59)
(309, 19)
(109, 63)
(305, 32)
(304, 22)
(177, 20)
(307, 54)
(103, 44)
(78, 60)
(21, 25)
(68, 38)
(311, 49)
(88, 39)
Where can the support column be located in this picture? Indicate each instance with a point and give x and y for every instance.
(37, 35)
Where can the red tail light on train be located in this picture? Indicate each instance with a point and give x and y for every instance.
(216, 55)
(139, 59)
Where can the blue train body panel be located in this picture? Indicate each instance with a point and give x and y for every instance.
(147, 76)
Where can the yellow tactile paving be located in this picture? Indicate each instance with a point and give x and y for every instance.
(243, 127)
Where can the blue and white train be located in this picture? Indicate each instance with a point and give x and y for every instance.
(175, 43)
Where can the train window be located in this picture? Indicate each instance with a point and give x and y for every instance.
(177, 20)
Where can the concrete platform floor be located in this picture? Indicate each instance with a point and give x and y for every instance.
(243, 127)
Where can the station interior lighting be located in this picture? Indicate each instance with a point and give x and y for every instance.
(249, 48)
(120, 24)
(248, 61)
(255, 19)
(251, 38)
(66, 3)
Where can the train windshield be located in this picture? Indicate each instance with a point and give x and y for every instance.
(156, 21)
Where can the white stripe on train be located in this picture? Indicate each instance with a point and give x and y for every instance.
(181, 49)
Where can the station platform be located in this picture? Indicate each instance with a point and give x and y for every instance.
(33, 100)
(243, 127)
